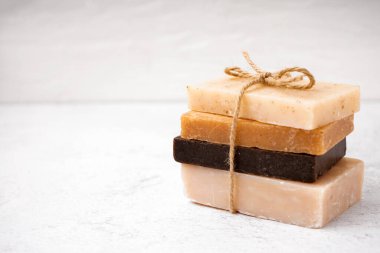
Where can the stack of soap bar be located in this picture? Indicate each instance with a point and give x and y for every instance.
(290, 145)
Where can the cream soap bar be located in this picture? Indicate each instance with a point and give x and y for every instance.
(303, 109)
(305, 204)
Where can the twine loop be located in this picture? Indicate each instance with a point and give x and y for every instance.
(282, 78)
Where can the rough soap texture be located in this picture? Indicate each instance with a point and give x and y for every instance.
(305, 204)
(292, 166)
(216, 128)
(304, 109)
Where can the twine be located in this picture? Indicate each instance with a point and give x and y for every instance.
(282, 78)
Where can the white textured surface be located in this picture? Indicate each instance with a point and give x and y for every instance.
(82, 50)
(101, 178)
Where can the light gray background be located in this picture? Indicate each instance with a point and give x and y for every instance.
(149, 50)
(91, 94)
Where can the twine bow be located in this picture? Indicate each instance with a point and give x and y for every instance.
(282, 78)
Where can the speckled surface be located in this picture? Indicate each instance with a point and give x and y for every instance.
(101, 178)
(292, 166)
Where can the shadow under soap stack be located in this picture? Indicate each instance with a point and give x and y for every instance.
(290, 147)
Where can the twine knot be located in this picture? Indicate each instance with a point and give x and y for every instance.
(264, 76)
(282, 78)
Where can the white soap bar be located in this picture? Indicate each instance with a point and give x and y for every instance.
(304, 109)
(305, 204)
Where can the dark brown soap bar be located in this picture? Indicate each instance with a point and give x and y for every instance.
(285, 165)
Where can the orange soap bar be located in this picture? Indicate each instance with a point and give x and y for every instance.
(216, 128)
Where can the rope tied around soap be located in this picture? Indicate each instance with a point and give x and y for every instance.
(282, 78)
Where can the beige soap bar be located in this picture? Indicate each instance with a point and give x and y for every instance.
(305, 204)
(216, 128)
(304, 109)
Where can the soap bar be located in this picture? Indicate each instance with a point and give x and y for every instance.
(216, 128)
(305, 204)
(292, 166)
(304, 109)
